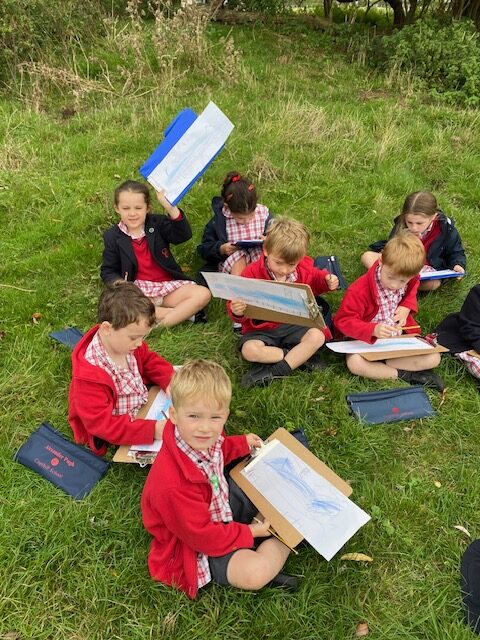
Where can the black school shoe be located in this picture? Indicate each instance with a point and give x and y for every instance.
(263, 374)
(200, 317)
(284, 581)
(425, 378)
(314, 363)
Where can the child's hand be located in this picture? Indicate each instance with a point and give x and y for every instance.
(238, 307)
(401, 315)
(260, 529)
(172, 210)
(385, 331)
(332, 281)
(254, 441)
(228, 248)
(159, 427)
(458, 269)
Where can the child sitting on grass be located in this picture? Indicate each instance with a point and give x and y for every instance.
(236, 216)
(379, 304)
(281, 348)
(443, 246)
(137, 249)
(460, 332)
(202, 524)
(110, 367)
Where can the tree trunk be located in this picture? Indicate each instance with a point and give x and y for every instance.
(398, 13)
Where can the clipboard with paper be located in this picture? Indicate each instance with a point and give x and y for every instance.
(299, 495)
(287, 302)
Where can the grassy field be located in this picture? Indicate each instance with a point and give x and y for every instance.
(327, 143)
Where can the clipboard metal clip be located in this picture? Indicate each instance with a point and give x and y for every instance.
(313, 309)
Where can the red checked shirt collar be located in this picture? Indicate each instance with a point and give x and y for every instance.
(131, 392)
(388, 300)
(210, 463)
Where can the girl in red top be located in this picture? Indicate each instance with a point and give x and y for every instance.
(441, 240)
(137, 249)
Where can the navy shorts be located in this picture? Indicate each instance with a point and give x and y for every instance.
(243, 510)
(285, 335)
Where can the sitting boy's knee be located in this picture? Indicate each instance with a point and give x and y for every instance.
(315, 336)
(355, 364)
(249, 352)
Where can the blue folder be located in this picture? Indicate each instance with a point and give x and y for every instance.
(172, 135)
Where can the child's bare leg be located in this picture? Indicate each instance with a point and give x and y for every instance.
(308, 345)
(368, 258)
(182, 303)
(252, 570)
(238, 267)
(429, 285)
(415, 363)
(359, 366)
(258, 351)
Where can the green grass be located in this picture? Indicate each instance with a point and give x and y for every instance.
(327, 143)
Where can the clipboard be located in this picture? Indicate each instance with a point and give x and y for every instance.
(389, 355)
(285, 530)
(315, 320)
(121, 454)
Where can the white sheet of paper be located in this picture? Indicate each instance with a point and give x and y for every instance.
(440, 273)
(158, 408)
(188, 157)
(317, 509)
(259, 293)
(383, 344)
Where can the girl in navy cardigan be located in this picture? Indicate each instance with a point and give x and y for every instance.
(137, 249)
(443, 246)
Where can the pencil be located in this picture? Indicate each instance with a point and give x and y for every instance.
(412, 326)
(275, 535)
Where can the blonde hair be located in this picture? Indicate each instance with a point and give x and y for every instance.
(404, 254)
(288, 239)
(201, 379)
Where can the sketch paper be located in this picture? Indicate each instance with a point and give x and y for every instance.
(440, 274)
(192, 153)
(259, 293)
(317, 509)
(158, 410)
(382, 344)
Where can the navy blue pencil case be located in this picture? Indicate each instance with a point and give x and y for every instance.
(391, 405)
(68, 466)
(69, 337)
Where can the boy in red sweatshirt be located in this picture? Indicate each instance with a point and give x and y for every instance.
(111, 366)
(281, 348)
(202, 524)
(379, 304)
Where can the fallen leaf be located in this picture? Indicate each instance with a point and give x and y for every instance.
(357, 557)
(319, 399)
(2, 334)
(331, 432)
(462, 529)
(116, 176)
(283, 59)
(11, 635)
(36, 317)
(362, 630)
(437, 483)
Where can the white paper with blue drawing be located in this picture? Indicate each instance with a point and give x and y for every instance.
(259, 293)
(317, 509)
(158, 411)
(192, 153)
(383, 344)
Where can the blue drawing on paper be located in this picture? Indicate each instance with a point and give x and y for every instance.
(284, 468)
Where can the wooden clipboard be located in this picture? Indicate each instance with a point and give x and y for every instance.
(387, 355)
(315, 319)
(285, 530)
(121, 454)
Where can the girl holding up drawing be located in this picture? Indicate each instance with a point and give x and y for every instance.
(137, 249)
(443, 246)
(233, 237)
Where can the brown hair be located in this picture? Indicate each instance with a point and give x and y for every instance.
(422, 203)
(134, 187)
(239, 193)
(404, 254)
(287, 238)
(122, 303)
(201, 379)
